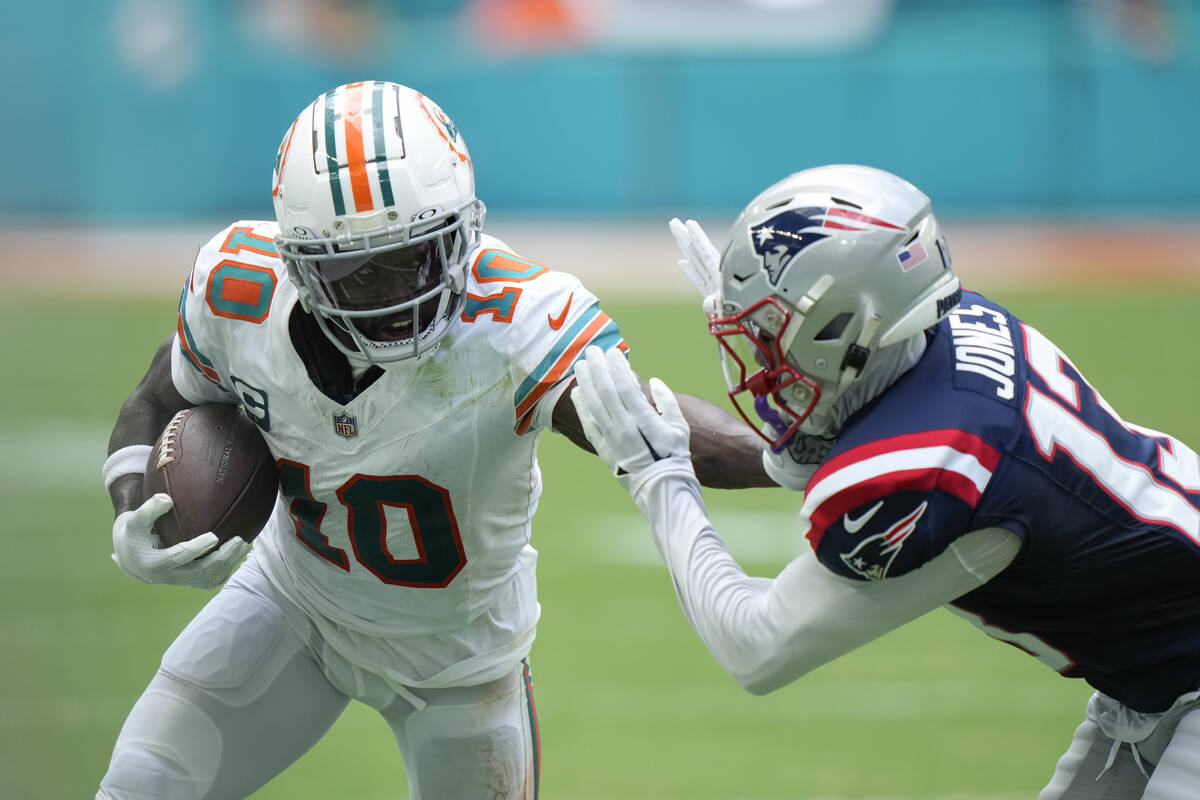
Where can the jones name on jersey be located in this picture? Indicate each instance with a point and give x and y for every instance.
(996, 428)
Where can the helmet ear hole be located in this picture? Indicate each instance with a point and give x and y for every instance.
(834, 328)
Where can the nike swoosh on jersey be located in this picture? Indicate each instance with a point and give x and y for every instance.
(557, 322)
(855, 525)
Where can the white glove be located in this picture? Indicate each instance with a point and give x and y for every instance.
(701, 262)
(140, 554)
(627, 432)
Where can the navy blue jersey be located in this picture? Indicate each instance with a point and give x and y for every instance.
(995, 427)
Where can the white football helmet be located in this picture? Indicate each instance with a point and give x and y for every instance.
(823, 269)
(374, 192)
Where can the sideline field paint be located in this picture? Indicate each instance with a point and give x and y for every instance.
(53, 453)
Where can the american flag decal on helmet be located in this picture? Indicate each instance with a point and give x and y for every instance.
(912, 255)
(356, 146)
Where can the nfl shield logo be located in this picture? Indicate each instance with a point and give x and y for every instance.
(345, 426)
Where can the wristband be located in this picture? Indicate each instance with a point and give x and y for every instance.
(129, 460)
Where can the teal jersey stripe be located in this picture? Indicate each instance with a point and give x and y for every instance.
(381, 164)
(192, 352)
(560, 346)
(331, 161)
(606, 338)
(534, 734)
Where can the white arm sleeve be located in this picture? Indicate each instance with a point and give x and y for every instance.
(765, 632)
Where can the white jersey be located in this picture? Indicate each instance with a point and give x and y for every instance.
(404, 511)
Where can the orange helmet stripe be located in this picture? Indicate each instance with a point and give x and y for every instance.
(356, 160)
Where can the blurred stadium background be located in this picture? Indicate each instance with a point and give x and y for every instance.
(1057, 138)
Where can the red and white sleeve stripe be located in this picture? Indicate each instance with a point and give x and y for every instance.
(950, 460)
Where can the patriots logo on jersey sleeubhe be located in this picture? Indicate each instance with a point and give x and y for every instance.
(874, 555)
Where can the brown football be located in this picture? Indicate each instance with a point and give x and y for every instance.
(215, 465)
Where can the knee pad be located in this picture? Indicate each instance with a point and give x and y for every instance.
(163, 756)
(233, 649)
(484, 766)
(472, 742)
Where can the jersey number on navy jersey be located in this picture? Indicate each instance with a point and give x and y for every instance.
(439, 547)
(1059, 425)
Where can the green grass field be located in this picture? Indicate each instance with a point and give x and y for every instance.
(630, 704)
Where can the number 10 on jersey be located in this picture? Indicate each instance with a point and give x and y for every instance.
(440, 555)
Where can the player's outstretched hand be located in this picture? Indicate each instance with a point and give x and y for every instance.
(701, 262)
(140, 554)
(627, 432)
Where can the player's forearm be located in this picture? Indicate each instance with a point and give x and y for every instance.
(138, 423)
(766, 633)
(730, 611)
(726, 454)
(141, 419)
(736, 616)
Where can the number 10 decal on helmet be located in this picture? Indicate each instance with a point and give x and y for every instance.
(822, 270)
(374, 193)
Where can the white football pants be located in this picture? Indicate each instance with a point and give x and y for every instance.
(239, 697)
(1165, 765)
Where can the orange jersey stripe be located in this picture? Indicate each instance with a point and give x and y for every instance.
(356, 159)
(564, 362)
(526, 420)
(207, 372)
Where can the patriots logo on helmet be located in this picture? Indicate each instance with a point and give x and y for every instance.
(778, 240)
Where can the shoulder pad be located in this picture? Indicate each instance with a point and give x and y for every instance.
(886, 507)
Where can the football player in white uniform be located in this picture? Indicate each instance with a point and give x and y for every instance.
(949, 454)
(401, 366)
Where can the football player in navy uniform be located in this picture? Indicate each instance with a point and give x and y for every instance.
(401, 365)
(949, 454)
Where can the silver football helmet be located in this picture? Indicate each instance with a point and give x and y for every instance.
(822, 271)
(374, 193)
